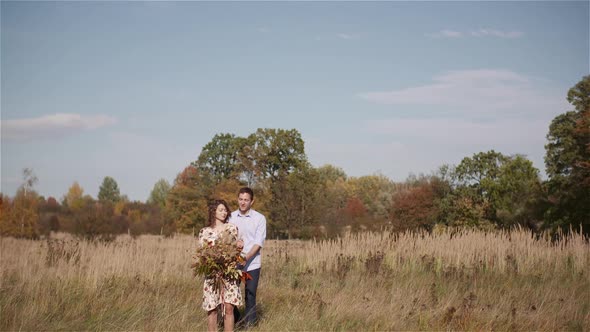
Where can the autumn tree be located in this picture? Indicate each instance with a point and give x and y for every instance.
(49, 212)
(187, 199)
(354, 208)
(415, 207)
(228, 191)
(421, 201)
(375, 191)
(96, 220)
(294, 201)
(73, 198)
(20, 217)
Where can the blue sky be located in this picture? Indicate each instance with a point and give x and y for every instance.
(133, 90)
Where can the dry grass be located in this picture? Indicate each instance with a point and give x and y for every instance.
(467, 281)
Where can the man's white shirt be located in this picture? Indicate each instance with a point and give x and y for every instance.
(252, 229)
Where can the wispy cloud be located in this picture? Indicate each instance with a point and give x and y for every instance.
(497, 33)
(347, 36)
(447, 33)
(263, 29)
(52, 126)
(464, 112)
(459, 132)
(476, 92)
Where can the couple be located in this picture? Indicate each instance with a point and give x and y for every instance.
(251, 227)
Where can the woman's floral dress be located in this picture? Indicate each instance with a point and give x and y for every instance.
(231, 292)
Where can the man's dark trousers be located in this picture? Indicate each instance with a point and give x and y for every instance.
(251, 287)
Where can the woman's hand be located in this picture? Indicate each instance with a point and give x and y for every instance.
(240, 244)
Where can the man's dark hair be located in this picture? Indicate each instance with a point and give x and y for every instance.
(246, 190)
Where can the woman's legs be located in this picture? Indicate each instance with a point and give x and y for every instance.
(212, 320)
(228, 322)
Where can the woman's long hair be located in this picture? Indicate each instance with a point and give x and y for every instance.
(213, 208)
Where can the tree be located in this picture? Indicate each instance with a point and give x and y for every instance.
(567, 162)
(29, 179)
(294, 201)
(494, 183)
(354, 208)
(333, 195)
(187, 199)
(96, 220)
(49, 215)
(73, 198)
(519, 193)
(277, 152)
(415, 207)
(219, 157)
(331, 173)
(375, 191)
(159, 193)
(265, 154)
(109, 191)
(20, 217)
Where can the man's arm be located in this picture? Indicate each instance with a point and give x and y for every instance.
(259, 238)
(252, 252)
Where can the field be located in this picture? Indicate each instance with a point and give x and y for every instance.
(370, 281)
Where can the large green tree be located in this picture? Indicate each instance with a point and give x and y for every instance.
(267, 154)
(109, 191)
(159, 193)
(277, 152)
(567, 162)
(219, 157)
(494, 187)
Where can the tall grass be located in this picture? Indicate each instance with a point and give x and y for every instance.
(468, 280)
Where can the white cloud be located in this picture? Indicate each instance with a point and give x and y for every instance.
(455, 133)
(447, 33)
(52, 126)
(497, 33)
(347, 36)
(262, 29)
(464, 112)
(475, 92)
(398, 147)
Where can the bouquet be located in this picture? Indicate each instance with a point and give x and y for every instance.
(220, 261)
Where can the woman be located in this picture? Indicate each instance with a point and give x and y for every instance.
(229, 294)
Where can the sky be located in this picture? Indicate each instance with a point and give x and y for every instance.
(134, 90)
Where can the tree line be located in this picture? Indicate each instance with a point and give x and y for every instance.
(486, 190)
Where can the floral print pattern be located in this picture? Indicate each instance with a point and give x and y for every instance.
(231, 290)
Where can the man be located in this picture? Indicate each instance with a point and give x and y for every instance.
(252, 229)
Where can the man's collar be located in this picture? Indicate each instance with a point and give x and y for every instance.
(247, 214)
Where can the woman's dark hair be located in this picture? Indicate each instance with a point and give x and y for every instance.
(213, 207)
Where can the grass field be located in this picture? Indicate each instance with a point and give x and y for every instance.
(360, 282)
